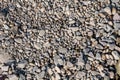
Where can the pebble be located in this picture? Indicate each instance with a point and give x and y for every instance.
(13, 77)
(6, 27)
(21, 65)
(37, 45)
(116, 17)
(41, 32)
(108, 10)
(115, 55)
(80, 74)
(4, 68)
(116, 26)
(62, 50)
(22, 77)
(18, 40)
(111, 75)
(114, 11)
(88, 67)
(57, 69)
(4, 57)
(115, 1)
(57, 76)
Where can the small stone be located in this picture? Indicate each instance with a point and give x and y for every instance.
(22, 77)
(115, 55)
(37, 45)
(100, 68)
(40, 75)
(69, 64)
(88, 66)
(116, 25)
(114, 10)
(18, 40)
(111, 75)
(101, 15)
(41, 32)
(62, 50)
(6, 27)
(116, 17)
(4, 58)
(90, 33)
(50, 71)
(57, 69)
(57, 76)
(117, 66)
(13, 77)
(115, 1)
(107, 10)
(5, 68)
(98, 56)
(22, 64)
(80, 74)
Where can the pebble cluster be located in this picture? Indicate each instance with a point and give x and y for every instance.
(59, 39)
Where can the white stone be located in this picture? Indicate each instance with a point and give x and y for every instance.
(5, 68)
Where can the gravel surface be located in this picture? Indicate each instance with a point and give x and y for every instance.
(59, 39)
